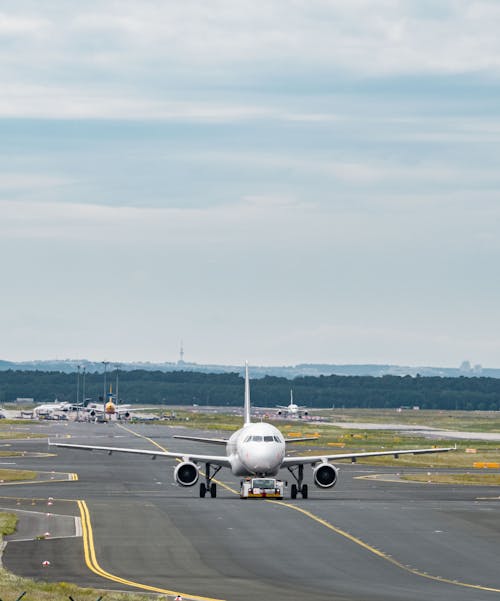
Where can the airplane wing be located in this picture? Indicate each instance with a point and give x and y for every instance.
(304, 460)
(213, 459)
(201, 439)
(302, 439)
(281, 407)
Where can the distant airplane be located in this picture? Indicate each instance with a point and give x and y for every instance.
(292, 410)
(52, 408)
(111, 407)
(256, 449)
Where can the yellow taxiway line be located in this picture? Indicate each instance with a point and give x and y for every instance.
(381, 554)
(93, 564)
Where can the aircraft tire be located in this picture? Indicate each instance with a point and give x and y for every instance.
(213, 490)
(305, 491)
(203, 490)
(293, 491)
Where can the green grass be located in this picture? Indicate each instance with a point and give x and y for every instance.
(8, 523)
(16, 475)
(12, 586)
(14, 435)
(466, 479)
(475, 421)
(12, 454)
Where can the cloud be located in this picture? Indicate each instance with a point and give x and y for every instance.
(89, 60)
(13, 25)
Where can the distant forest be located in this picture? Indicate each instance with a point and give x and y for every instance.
(187, 388)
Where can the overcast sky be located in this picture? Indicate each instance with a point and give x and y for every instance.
(282, 181)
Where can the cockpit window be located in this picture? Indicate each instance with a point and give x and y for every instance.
(276, 438)
(257, 438)
(268, 438)
(248, 439)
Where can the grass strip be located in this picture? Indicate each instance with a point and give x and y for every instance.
(16, 475)
(465, 479)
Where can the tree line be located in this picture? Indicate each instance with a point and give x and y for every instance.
(187, 388)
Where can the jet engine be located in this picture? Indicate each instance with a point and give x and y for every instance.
(325, 475)
(186, 473)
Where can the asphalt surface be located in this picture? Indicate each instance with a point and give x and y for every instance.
(364, 539)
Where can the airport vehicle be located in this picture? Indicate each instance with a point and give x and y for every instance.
(262, 488)
(256, 450)
(292, 410)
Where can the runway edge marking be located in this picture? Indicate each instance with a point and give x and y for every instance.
(381, 554)
(93, 565)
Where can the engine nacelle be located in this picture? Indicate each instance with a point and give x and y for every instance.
(186, 473)
(325, 475)
(306, 412)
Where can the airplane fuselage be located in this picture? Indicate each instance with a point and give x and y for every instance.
(256, 449)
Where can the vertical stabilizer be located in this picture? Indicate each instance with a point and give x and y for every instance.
(291, 397)
(247, 396)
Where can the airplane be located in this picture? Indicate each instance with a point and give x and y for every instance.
(292, 410)
(111, 407)
(256, 449)
(51, 408)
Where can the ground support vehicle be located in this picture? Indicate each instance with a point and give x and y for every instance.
(262, 488)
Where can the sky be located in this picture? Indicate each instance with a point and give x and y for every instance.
(288, 181)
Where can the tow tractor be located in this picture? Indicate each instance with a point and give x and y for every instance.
(262, 488)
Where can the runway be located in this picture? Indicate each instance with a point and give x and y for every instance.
(364, 539)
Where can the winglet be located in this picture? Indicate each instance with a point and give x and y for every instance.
(247, 396)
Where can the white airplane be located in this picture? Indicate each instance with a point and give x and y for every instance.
(292, 410)
(256, 449)
(51, 408)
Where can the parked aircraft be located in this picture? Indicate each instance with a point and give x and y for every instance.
(52, 408)
(292, 410)
(256, 449)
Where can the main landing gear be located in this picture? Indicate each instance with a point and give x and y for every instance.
(299, 488)
(208, 485)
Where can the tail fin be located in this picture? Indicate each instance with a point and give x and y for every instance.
(247, 396)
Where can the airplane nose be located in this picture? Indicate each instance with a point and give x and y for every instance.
(258, 459)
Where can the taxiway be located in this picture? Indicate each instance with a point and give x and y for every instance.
(365, 539)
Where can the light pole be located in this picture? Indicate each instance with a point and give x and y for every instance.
(83, 386)
(105, 363)
(117, 367)
(77, 383)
